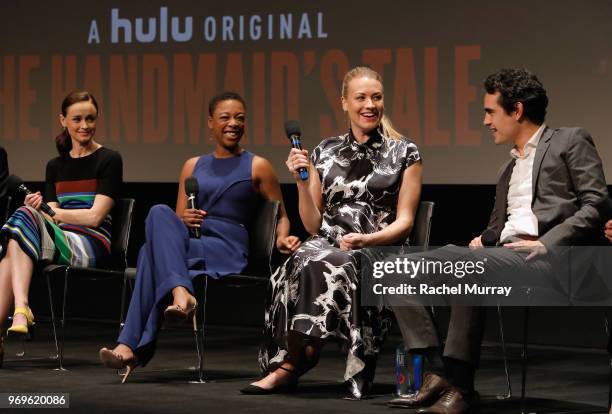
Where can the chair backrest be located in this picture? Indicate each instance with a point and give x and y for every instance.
(121, 214)
(419, 237)
(262, 237)
(7, 208)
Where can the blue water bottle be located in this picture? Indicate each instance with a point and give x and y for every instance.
(417, 371)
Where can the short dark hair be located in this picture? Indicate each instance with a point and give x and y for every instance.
(519, 85)
(224, 96)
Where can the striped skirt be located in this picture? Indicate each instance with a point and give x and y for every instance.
(44, 241)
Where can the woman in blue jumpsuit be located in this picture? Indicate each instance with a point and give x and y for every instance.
(229, 180)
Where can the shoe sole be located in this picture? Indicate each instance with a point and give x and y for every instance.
(110, 360)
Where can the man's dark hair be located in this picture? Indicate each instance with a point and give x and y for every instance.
(519, 85)
(224, 96)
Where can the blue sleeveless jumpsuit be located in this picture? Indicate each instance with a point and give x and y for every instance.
(170, 258)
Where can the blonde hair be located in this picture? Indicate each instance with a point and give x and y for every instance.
(366, 72)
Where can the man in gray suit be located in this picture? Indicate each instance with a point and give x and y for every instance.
(548, 195)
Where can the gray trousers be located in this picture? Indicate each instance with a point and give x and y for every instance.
(467, 323)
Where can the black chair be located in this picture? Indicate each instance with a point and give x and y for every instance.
(7, 209)
(262, 241)
(421, 230)
(121, 214)
(556, 296)
(418, 240)
(609, 349)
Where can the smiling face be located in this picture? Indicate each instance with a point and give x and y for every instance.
(80, 122)
(364, 104)
(227, 123)
(504, 127)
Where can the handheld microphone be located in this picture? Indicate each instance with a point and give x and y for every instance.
(192, 188)
(294, 133)
(16, 184)
(488, 238)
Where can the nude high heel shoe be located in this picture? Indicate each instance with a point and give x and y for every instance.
(175, 315)
(111, 359)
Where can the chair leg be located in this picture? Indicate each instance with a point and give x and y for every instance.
(609, 349)
(23, 349)
(63, 322)
(23, 341)
(123, 301)
(610, 383)
(524, 360)
(500, 320)
(198, 332)
(51, 308)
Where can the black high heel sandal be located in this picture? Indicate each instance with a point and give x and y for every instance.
(281, 389)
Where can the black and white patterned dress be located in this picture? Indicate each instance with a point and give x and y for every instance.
(312, 291)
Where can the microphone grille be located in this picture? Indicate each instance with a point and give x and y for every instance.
(191, 185)
(489, 238)
(13, 182)
(292, 127)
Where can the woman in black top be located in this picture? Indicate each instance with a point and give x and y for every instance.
(81, 185)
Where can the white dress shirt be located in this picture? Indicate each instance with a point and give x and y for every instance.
(521, 219)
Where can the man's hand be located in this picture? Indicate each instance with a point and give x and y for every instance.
(533, 247)
(287, 245)
(354, 241)
(476, 243)
(608, 230)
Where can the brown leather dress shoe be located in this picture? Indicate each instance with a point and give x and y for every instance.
(432, 389)
(453, 402)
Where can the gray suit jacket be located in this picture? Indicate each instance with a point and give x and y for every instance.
(568, 189)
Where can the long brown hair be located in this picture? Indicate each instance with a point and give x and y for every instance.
(63, 142)
(364, 71)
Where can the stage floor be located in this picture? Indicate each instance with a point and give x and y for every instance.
(559, 380)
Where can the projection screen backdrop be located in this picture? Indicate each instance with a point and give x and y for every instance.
(154, 65)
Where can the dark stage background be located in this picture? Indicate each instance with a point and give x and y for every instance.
(153, 66)
(461, 212)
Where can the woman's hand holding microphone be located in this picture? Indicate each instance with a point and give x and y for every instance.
(34, 200)
(193, 218)
(298, 159)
